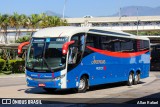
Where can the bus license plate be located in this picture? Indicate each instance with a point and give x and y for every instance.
(41, 85)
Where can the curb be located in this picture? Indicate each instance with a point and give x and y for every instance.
(12, 76)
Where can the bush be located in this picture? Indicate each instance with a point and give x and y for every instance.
(2, 64)
(17, 66)
(10, 64)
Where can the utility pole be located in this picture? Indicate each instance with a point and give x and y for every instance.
(137, 22)
(120, 16)
(120, 13)
(64, 8)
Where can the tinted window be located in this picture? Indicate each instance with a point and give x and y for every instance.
(142, 45)
(92, 41)
(107, 43)
(117, 44)
(127, 45)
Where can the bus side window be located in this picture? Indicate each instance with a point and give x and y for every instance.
(91, 41)
(107, 43)
(127, 45)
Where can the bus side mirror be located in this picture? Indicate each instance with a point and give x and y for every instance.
(65, 47)
(20, 48)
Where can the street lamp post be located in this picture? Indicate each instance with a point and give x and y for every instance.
(64, 8)
(137, 22)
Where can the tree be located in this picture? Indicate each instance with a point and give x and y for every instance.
(4, 24)
(23, 22)
(23, 39)
(51, 21)
(44, 21)
(0, 22)
(12, 22)
(34, 20)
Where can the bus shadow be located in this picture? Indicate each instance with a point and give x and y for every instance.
(153, 98)
(71, 91)
(111, 85)
(42, 91)
(155, 71)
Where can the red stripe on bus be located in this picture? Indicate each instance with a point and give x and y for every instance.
(117, 54)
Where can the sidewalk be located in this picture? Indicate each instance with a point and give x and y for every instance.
(12, 76)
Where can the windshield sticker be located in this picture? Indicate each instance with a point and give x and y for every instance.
(61, 39)
(47, 39)
(38, 40)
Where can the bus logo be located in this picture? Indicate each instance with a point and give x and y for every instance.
(98, 61)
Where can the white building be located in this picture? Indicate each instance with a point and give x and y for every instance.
(119, 23)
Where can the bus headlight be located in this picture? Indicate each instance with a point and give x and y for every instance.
(29, 78)
(60, 77)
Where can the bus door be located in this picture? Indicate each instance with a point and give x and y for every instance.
(75, 52)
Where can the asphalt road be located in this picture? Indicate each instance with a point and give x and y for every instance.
(108, 93)
(12, 81)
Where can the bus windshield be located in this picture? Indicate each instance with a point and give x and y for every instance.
(45, 54)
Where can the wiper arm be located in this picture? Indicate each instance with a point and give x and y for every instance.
(47, 64)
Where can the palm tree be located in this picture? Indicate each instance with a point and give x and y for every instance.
(4, 24)
(18, 24)
(64, 22)
(44, 21)
(0, 23)
(59, 21)
(34, 20)
(51, 21)
(23, 19)
(12, 22)
(18, 21)
(23, 22)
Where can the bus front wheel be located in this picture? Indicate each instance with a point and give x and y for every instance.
(83, 85)
(130, 79)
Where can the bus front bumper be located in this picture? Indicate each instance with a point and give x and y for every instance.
(46, 83)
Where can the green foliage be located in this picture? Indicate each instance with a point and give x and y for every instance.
(23, 39)
(9, 65)
(144, 32)
(2, 64)
(16, 66)
(34, 21)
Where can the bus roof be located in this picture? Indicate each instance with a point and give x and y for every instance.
(68, 31)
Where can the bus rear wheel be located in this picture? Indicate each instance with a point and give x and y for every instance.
(83, 85)
(49, 90)
(136, 79)
(130, 79)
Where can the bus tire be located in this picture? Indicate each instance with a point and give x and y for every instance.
(83, 85)
(49, 90)
(136, 78)
(130, 79)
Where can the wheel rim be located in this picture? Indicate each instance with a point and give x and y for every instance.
(81, 84)
(136, 78)
(130, 78)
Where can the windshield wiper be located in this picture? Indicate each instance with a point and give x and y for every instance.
(47, 64)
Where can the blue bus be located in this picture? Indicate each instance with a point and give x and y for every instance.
(80, 57)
